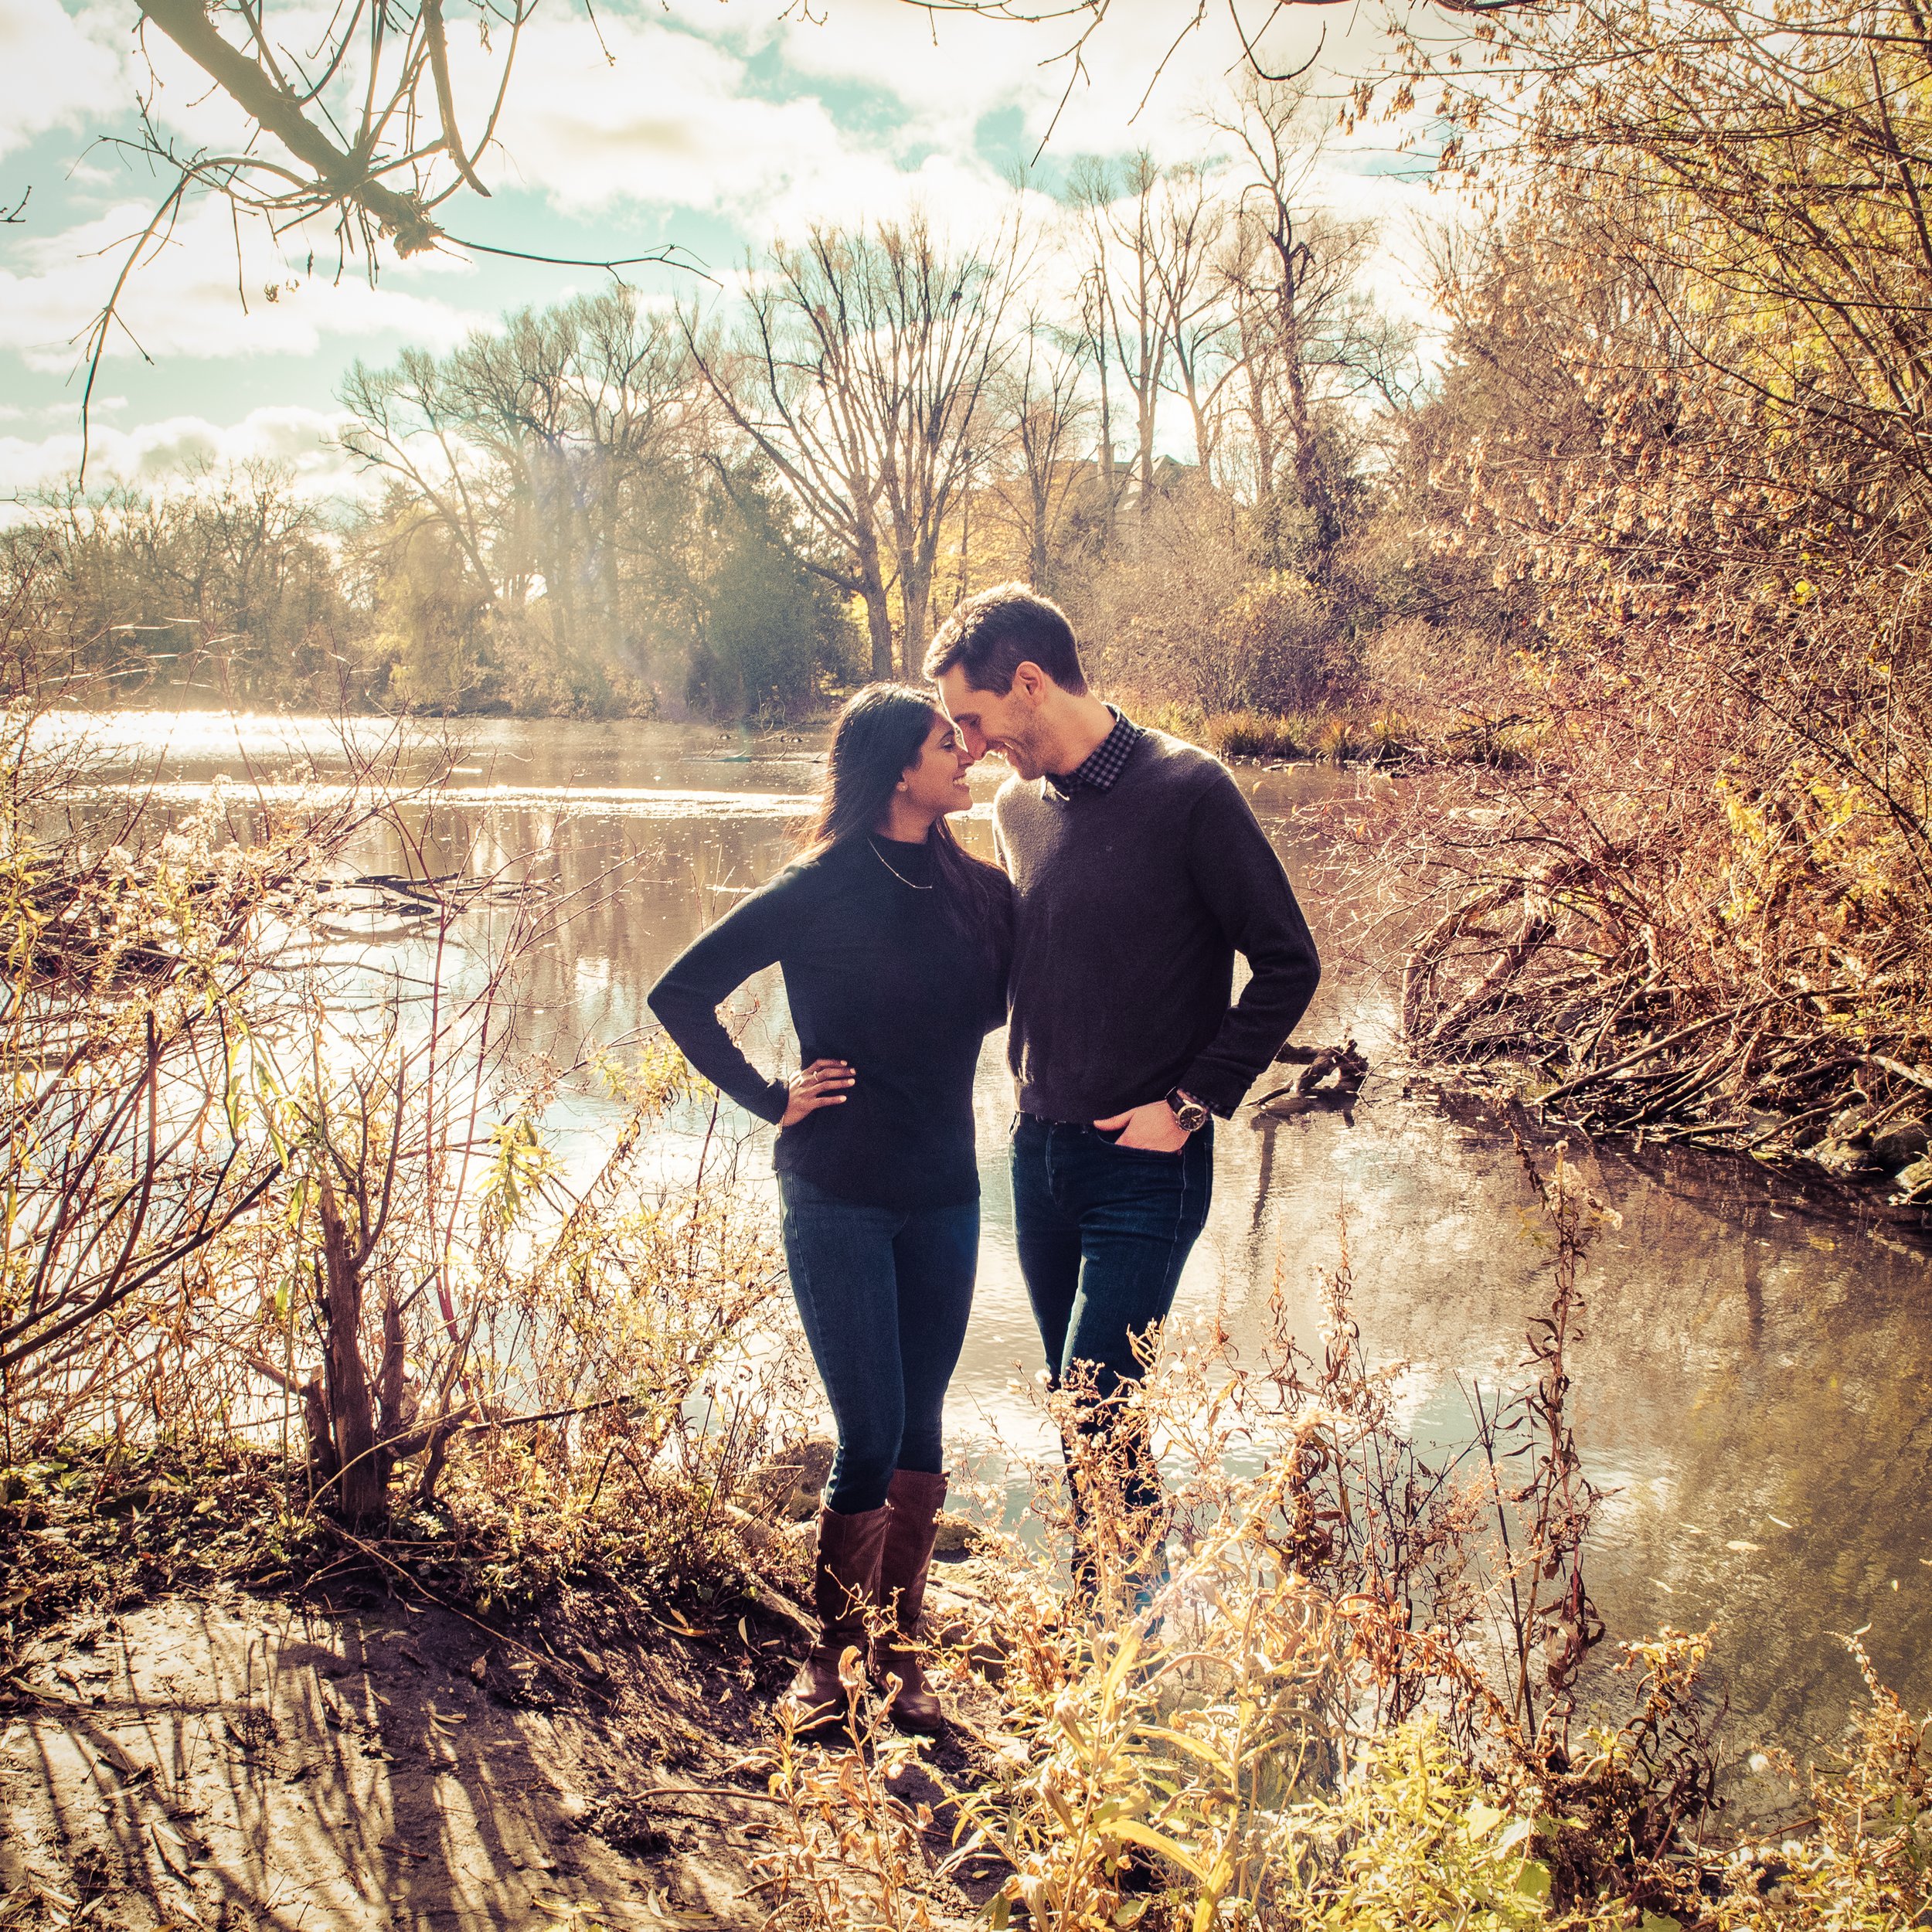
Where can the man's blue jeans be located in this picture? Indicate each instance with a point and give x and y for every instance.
(884, 1297)
(1104, 1232)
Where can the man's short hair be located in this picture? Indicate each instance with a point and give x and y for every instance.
(991, 634)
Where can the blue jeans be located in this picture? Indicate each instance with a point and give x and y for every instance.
(1104, 1232)
(884, 1297)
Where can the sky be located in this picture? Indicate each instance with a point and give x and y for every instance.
(716, 125)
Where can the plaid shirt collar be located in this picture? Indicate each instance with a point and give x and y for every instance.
(1104, 763)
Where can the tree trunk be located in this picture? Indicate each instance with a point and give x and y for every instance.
(1144, 404)
(363, 1481)
(879, 616)
(915, 600)
(1109, 487)
(1311, 480)
(1265, 464)
(322, 1463)
(610, 513)
(1203, 433)
(965, 540)
(878, 626)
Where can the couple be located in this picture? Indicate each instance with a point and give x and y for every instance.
(1133, 872)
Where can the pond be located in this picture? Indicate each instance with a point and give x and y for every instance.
(1754, 1385)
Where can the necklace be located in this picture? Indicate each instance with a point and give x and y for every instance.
(894, 870)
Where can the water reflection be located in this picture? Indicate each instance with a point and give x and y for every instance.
(1753, 1382)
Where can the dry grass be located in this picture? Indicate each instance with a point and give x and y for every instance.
(1358, 1700)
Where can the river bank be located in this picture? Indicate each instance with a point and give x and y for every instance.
(218, 1707)
(1369, 733)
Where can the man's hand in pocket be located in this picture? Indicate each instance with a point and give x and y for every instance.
(1152, 1128)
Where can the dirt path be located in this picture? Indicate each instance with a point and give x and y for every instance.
(226, 1761)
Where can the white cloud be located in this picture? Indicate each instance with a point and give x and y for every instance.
(867, 115)
(152, 452)
(187, 300)
(1136, 84)
(875, 117)
(56, 70)
(673, 122)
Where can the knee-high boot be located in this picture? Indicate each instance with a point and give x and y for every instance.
(911, 1510)
(844, 1587)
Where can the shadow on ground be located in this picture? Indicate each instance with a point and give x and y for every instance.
(230, 1762)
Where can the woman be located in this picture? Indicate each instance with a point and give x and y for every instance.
(894, 944)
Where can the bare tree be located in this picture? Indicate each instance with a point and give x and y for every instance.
(863, 377)
(528, 445)
(1045, 409)
(1308, 336)
(787, 383)
(577, 406)
(1097, 339)
(407, 421)
(938, 343)
(1190, 230)
(640, 411)
(1127, 310)
(1155, 301)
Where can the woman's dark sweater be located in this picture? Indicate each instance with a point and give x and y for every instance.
(879, 974)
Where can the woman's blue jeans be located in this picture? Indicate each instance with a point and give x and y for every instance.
(884, 1297)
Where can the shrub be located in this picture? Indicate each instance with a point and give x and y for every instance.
(1180, 613)
(1254, 734)
(1335, 742)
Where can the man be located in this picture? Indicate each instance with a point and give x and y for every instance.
(1139, 873)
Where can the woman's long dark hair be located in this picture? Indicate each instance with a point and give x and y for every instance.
(880, 733)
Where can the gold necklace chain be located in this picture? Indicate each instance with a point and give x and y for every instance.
(893, 870)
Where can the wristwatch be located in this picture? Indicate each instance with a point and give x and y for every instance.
(1188, 1110)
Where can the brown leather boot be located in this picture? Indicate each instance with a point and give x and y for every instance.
(912, 1509)
(845, 1586)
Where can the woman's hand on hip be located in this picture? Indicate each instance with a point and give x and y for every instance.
(823, 1083)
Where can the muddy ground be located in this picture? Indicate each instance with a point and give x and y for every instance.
(221, 1759)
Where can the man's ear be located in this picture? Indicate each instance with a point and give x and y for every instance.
(1031, 682)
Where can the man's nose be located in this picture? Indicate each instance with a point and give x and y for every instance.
(976, 744)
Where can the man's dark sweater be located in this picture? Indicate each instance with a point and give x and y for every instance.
(879, 973)
(1131, 905)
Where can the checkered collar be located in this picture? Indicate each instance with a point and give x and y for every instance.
(1104, 763)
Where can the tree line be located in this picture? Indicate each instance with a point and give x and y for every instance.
(615, 505)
